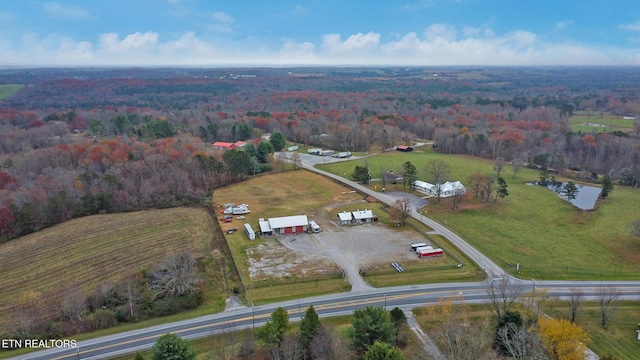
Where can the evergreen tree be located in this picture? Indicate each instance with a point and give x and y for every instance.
(172, 347)
(309, 327)
(369, 325)
(382, 351)
(278, 141)
(607, 186)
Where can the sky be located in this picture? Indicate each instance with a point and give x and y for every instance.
(211, 33)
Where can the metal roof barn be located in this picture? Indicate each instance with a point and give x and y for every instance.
(289, 224)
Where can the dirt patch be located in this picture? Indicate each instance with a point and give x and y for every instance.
(272, 260)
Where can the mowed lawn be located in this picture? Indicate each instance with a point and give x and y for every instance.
(535, 228)
(88, 251)
(599, 123)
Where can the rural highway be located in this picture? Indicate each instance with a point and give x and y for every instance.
(404, 297)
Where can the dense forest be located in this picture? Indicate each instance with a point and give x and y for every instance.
(84, 141)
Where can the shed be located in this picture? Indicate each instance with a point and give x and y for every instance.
(404, 148)
(249, 230)
(361, 216)
(265, 229)
(345, 218)
(289, 224)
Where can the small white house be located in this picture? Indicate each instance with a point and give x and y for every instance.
(345, 218)
(446, 190)
(362, 216)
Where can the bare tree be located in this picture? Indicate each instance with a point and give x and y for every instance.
(520, 343)
(439, 171)
(517, 164)
(552, 302)
(454, 335)
(401, 210)
(132, 295)
(502, 293)
(323, 345)
(498, 165)
(458, 194)
(607, 297)
(73, 303)
(175, 275)
(575, 301)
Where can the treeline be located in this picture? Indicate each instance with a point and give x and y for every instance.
(44, 187)
(171, 286)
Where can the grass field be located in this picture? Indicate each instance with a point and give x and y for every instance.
(8, 90)
(533, 227)
(88, 251)
(595, 122)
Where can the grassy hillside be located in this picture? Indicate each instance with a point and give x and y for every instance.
(533, 227)
(90, 250)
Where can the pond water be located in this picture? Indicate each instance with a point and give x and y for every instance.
(586, 197)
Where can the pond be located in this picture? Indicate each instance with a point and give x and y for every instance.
(586, 196)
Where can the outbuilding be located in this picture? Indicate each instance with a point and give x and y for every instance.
(363, 216)
(289, 224)
(265, 229)
(345, 218)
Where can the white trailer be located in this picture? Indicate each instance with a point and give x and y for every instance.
(416, 245)
(314, 227)
(249, 230)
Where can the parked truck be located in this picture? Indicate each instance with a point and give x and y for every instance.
(422, 253)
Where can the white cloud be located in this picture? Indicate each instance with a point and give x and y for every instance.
(133, 42)
(223, 18)
(333, 44)
(58, 10)
(438, 45)
(631, 27)
(300, 10)
(221, 22)
(560, 25)
(437, 32)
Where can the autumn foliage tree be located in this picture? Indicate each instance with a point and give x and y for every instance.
(562, 339)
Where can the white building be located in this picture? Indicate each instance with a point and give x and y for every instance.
(446, 190)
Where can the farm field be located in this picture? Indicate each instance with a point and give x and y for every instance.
(590, 122)
(287, 273)
(533, 227)
(8, 90)
(88, 251)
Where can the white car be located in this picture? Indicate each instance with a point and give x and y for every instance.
(240, 218)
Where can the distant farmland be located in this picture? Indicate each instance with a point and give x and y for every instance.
(8, 90)
(88, 251)
(594, 122)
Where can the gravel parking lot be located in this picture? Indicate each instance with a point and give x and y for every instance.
(356, 247)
